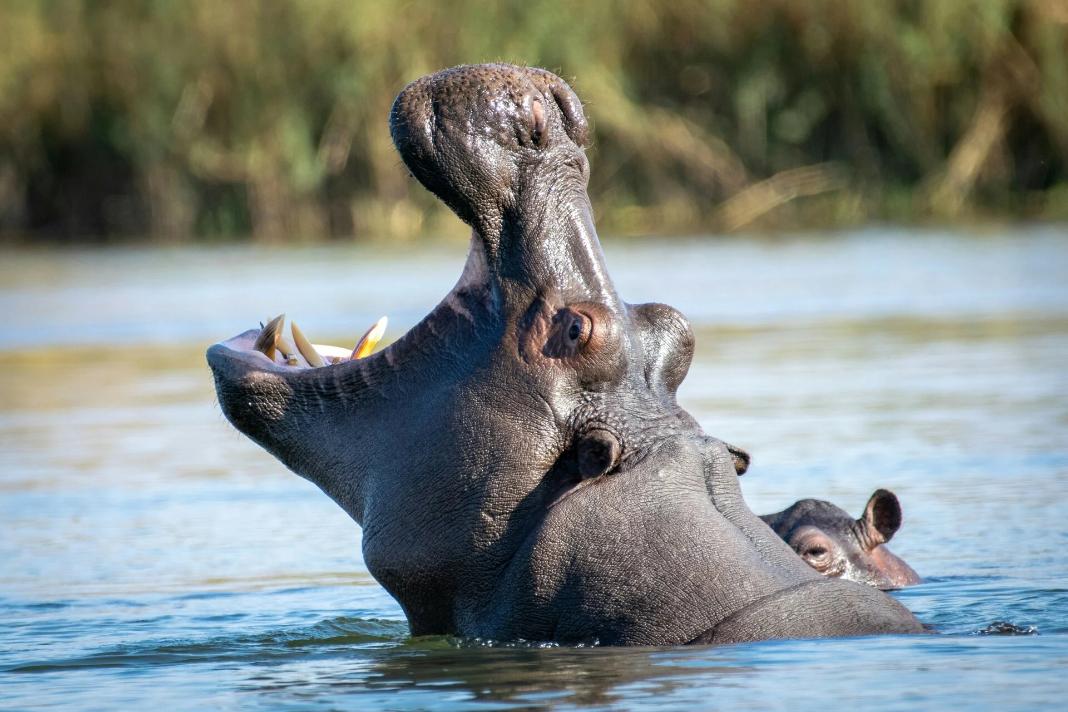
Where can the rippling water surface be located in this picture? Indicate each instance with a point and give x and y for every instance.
(150, 555)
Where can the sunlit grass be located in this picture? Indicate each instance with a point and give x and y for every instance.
(211, 119)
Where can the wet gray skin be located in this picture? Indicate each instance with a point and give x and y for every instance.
(517, 460)
(837, 545)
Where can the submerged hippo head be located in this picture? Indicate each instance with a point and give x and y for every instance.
(835, 544)
(518, 461)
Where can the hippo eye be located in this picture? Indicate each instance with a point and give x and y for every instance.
(818, 556)
(570, 333)
(575, 330)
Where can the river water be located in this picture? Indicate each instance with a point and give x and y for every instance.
(152, 556)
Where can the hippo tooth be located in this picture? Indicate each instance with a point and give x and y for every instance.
(288, 351)
(268, 338)
(305, 347)
(333, 354)
(369, 340)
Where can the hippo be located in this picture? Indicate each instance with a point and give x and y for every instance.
(835, 544)
(517, 460)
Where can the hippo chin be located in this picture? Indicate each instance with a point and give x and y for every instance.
(517, 460)
(836, 545)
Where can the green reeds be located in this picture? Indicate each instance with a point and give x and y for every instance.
(172, 121)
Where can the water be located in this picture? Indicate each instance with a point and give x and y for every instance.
(150, 555)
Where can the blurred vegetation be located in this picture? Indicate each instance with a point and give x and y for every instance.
(149, 119)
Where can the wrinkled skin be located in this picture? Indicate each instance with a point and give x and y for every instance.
(836, 545)
(518, 461)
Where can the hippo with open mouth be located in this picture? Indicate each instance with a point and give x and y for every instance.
(517, 461)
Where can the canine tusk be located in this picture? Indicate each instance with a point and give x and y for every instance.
(305, 347)
(368, 341)
(267, 341)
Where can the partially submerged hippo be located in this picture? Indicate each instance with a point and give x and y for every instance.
(836, 545)
(518, 461)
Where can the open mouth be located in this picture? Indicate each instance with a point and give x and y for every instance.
(302, 353)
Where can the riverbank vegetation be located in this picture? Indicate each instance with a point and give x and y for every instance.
(205, 119)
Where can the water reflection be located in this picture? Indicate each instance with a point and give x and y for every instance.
(592, 677)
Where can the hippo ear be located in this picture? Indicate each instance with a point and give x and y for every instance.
(741, 458)
(882, 517)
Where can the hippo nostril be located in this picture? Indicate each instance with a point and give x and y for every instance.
(540, 122)
(574, 119)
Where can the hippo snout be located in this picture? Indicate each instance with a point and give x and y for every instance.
(468, 133)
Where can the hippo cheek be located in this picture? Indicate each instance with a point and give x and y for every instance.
(888, 571)
(634, 557)
(657, 551)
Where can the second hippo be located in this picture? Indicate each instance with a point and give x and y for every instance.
(836, 545)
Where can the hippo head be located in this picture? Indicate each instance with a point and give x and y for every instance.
(835, 544)
(517, 460)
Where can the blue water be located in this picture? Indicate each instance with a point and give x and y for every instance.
(150, 555)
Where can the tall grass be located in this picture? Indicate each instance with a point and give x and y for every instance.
(172, 120)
